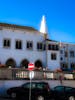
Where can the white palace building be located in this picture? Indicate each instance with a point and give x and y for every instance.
(20, 45)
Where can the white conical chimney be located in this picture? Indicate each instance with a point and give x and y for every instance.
(43, 27)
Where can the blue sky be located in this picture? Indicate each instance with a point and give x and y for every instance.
(60, 16)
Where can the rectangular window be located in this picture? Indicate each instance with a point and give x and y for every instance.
(53, 56)
(61, 51)
(72, 65)
(29, 45)
(6, 43)
(53, 47)
(39, 46)
(44, 48)
(66, 53)
(49, 47)
(57, 47)
(18, 44)
(65, 65)
(71, 53)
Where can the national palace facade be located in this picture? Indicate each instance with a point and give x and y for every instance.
(20, 45)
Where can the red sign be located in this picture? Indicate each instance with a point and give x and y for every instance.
(30, 66)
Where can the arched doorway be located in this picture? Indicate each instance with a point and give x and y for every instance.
(10, 63)
(24, 63)
(38, 64)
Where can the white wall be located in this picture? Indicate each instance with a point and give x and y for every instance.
(53, 64)
(68, 48)
(19, 55)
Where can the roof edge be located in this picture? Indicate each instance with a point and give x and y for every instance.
(17, 26)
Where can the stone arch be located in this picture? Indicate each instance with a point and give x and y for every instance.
(38, 64)
(10, 63)
(24, 63)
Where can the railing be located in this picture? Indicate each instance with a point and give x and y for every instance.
(23, 74)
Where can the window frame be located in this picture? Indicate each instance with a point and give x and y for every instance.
(29, 43)
(72, 53)
(6, 43)
(18, 44)
(40, 46)
(53, 56)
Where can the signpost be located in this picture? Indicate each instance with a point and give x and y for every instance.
(30, 66)
(31, 75)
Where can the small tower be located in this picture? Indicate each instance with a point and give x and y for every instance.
(43, 27)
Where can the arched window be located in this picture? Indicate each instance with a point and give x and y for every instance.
(24, 63)
(10, 63)
(38, 64)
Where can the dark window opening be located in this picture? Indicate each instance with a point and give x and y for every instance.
(66, 54)
(38, 64)
(6, 43)
(53, 47)
(72, 65)
(39, 46)
(61, 58)
(53, 56)
(24, 63)
(29, 45)
(49, 47)
(18, 44)
(71, 53)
